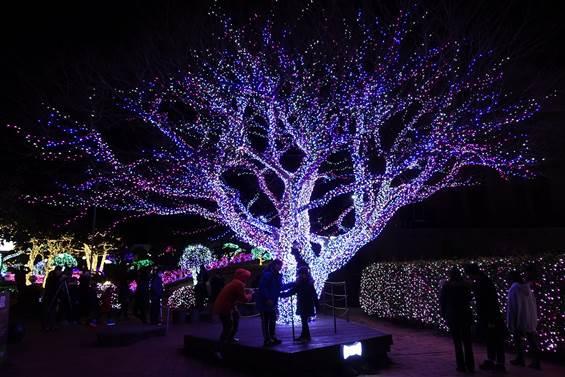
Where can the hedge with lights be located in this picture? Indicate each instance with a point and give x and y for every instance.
(410, 291)
(182, 298)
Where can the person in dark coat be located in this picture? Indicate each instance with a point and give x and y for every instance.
(200, 290)
(491, 321)
(142, 294)
(20, 278)
(85, 306)
(216, 285)
(33, 292)
(156, 297)
(267, 297)
(455, 307)
(49, 298)
(225, 305)
(306, 300)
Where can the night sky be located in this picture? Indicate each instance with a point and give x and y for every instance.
(53, 51)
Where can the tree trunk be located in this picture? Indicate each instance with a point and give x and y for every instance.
(287, 306)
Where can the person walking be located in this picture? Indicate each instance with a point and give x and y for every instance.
(522, 319)
(267, 297)
(491, 322)
(455, 307)
(156, 297)
(306, 301)
(225, 305)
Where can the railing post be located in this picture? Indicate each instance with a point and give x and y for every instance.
(292, 316)
(333, 309)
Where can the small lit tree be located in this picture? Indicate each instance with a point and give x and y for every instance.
(193, 257)
(96, 250)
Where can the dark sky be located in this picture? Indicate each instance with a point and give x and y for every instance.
(52, 51)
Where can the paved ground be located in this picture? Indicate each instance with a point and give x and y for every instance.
(70, 352)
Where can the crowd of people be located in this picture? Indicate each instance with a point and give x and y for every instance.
(456, 296)
(66, 298)
(86, 299)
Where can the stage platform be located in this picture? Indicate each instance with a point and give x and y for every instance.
(323, 352)
(125, 334)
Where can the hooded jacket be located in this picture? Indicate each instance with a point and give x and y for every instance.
(233, 293)
(270, 287)
(521, 311)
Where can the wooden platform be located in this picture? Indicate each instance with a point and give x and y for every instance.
(126, 333)
(324, 351)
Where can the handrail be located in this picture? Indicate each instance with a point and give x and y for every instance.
(340, 297)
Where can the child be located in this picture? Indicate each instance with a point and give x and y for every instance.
(225, 305)
(306, 300)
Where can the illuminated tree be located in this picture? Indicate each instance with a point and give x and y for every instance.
(46, 250)
(305, 149)
(96, 251)
(261, 254)
(232, 249)
(194, 256)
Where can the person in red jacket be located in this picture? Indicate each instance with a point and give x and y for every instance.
(225, 306)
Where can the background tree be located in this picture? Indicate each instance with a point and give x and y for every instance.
(302, 143)
(193, 257)
(96, 250)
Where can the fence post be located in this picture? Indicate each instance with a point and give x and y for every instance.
(4, 311)
(333, 308)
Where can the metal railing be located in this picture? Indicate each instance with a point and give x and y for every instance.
(334, 296)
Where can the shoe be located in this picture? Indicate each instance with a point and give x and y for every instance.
(276, 341)
(233, 341)
(487, 365)
(110, 323)
(500, 368)
(518, 362)
(535, 365)
(268, 343)
(461, 369)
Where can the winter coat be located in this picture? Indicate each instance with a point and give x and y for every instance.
(157, 286)
(455, 304)
(306, 298)
(487, 302)
(51, 285)
(270, 287)
(521, 310)
(233, 293)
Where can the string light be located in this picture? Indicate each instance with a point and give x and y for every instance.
(410, 291)
(257, 99)
(143, 263)
(182, 298)
(65, 260)
(108, 288)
